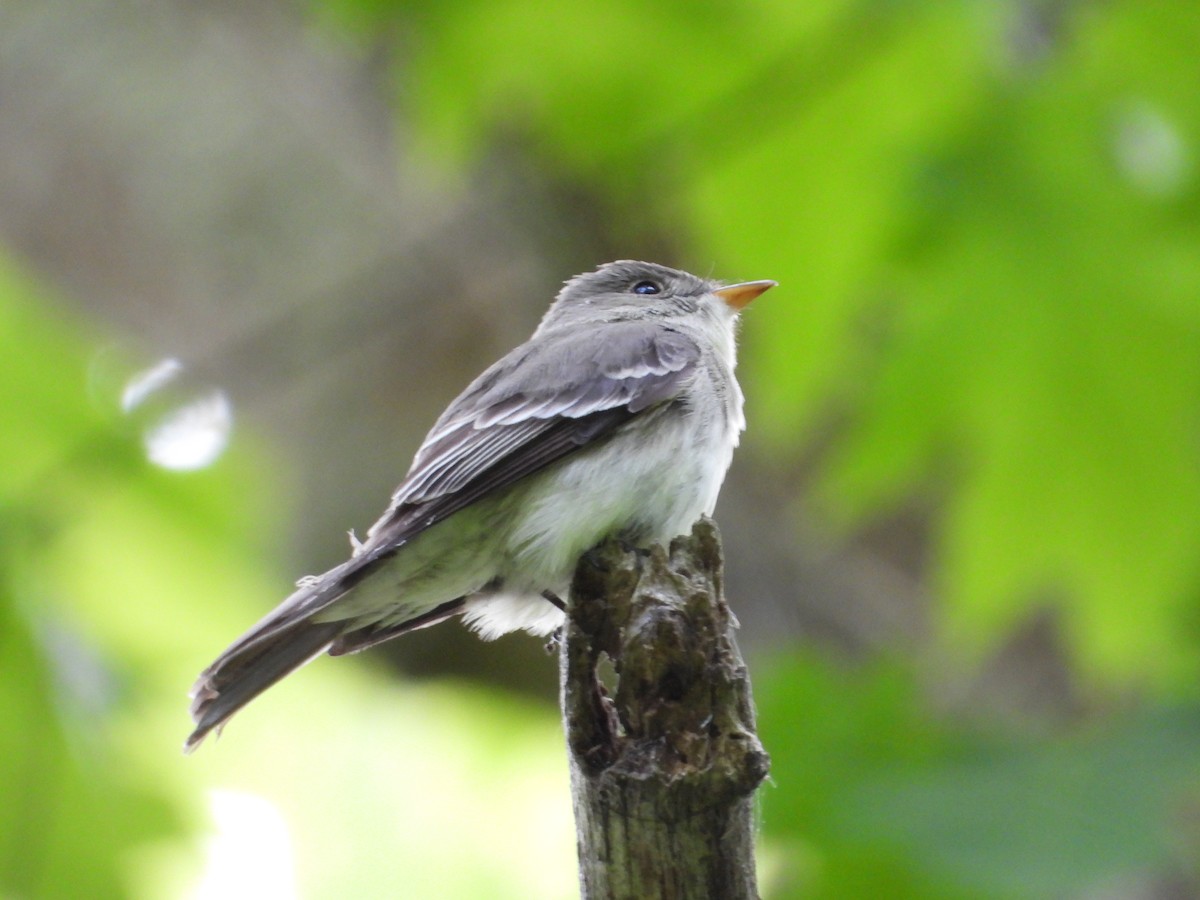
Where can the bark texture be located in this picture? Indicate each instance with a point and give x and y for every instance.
(663, 771)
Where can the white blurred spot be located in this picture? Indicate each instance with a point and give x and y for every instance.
(147, 381)
(192, 436)
(185, 428)
(1149, 150)
(251, 855)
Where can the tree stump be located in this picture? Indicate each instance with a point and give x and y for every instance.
(663, 772)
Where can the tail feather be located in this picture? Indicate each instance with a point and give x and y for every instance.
(285, 640)
(248, 668)
(362, 638)
(281, 642)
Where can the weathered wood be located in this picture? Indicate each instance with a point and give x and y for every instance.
(663, 772)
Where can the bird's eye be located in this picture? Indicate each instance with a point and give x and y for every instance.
(646, 287)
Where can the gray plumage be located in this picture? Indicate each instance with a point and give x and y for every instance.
(618, 417)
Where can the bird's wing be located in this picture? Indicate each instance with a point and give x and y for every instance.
(536, 405)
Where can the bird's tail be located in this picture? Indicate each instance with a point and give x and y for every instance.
(285, 640)
(250, 666)
(281, 642)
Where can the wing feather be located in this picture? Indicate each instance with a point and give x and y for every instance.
(541, 402)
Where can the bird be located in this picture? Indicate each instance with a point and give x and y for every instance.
(617, 418)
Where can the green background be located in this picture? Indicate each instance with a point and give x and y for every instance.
(984, 221)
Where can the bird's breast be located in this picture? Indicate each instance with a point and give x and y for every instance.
(648, 483)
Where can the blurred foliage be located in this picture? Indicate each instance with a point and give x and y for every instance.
(875, 795)
(75, 802)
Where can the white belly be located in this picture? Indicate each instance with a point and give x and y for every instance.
(646, 492)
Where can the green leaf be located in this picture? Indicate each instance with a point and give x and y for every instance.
(886, 799)
(75, 807)
(1047, 350)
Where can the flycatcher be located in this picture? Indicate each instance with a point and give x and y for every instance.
(619, 417)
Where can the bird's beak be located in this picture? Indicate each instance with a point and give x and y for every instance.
(739, 296)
